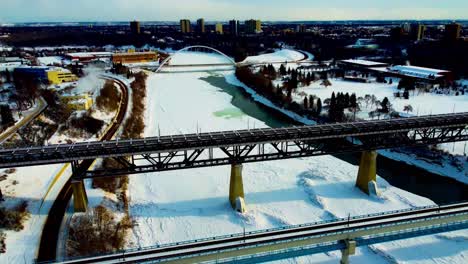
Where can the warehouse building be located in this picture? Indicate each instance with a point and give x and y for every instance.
(77, 101)
(58, 76)
(134, 57)
(45, 75)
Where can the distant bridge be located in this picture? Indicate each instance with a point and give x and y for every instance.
(296, 241)
(230, 61)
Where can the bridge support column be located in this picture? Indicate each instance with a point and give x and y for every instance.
(348, 251)
(236, 188)
(366, 179)
(80, 199)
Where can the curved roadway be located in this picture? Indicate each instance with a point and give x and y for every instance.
(50, 232)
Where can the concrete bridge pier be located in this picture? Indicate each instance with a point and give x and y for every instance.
(236, 188)
(348, 251)
(367, 175)
(80, 199)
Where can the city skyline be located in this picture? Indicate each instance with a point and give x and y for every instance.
(211, 10)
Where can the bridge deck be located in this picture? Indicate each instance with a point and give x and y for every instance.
(253, 246)
(230, 139)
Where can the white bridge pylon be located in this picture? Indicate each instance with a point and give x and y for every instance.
(231, 61)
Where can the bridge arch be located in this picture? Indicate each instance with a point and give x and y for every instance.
(194, 47)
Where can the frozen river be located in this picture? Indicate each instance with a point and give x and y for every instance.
(189, 204)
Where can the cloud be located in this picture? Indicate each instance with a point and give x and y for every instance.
(171, 10)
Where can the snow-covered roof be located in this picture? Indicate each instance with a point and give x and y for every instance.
(416, 71)
(365, 62)
(90, 54)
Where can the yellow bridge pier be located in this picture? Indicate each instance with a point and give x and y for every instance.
(80, 199)
(367, 175)
(348, 251)
(236, 188)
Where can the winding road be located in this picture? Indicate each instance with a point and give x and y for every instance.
(50, 232)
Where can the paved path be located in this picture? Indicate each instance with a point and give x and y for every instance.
(25, 121)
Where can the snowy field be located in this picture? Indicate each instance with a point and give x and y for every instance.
(189, 204)
(51, 61)
(277, 56)
(422, 103)
(39, 186)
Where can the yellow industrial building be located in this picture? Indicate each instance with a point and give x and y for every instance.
(58, 76)
(77, 101)
(134, 57)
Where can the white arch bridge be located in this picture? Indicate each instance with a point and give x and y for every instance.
(165, 63)
(229, 61)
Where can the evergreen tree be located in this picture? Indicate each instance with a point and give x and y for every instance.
(282, 70)
(353, 101)
(7, 116)
(385, 105)
(346, 99)
(332, 107)
(308, 79)
(311, 102)
(8, 76)
(306, 102)
(319, 107)
(406, 94)
(289, 95)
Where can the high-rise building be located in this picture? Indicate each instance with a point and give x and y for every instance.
(234, 27)
(406, 28)
(219, 28)
(135, 27)
(185, 26)
(201, 25)
(452, 31)
(253, 26)
(417, 31)
(301, 28)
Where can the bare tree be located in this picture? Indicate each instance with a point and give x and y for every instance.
(408, 108)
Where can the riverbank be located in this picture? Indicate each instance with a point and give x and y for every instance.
(445, 168)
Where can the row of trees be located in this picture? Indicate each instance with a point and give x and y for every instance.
(314, 106)
(338, 103)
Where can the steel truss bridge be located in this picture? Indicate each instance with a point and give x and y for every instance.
(243, 146)
(295, 241)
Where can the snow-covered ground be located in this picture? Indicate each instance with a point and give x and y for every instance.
(32, 186)
(51, 61)
(39, 186)
(189, 204)
(277, 56)
(423, 103)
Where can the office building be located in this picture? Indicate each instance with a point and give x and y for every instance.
(201, 25)
(185, 26)
(452, 31)
(234, 27)
(253, 26)
(135, 27)
(219, 28)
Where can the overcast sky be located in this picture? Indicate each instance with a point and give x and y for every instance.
(173, 10)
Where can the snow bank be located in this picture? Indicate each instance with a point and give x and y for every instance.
(277, 56)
